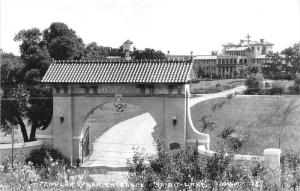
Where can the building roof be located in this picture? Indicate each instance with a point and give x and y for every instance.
(205, 57)
(241, 48)
(150, 71)
(261, 43)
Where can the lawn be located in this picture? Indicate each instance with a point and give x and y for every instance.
(213, 86)
(247, 115)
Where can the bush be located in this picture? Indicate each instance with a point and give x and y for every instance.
(38, 156)
(294, 89)
(254, 84)
(277, 88)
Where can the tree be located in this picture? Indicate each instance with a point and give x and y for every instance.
(214, 53)
(279, 113)
(276, 68)
(292, 57)
(93, 51)
(37, 50)
(15, 96)
(62, 42)
(254, 83)
(216, 167)
(36, 57)
(148, 53)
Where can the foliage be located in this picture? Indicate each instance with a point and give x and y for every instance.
(292, 57)
(36, 57)
(24, 95)
(278, 116)
(92, 51)
(37, 157)
(214, 53)
(53, 176)
(15, 96)
(254, 83)
(148, 53)
(227, 131)
(62, 42)
(186, 169)
(283, 65)
(206, 123)
(277, 88)
(290, 170)
(275, 68)
(216, 166)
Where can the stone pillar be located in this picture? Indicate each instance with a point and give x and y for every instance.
(272, 156)
(62, 125)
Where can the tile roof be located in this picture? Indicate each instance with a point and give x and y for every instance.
(150, 71)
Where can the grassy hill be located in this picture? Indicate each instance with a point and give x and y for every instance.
(248, 116)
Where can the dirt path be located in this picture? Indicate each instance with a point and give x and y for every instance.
(203, 97)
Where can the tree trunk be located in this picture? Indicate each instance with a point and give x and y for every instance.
(23, 129)
(33, 132)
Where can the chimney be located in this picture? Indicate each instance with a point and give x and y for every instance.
(168, 52)
(261, 40)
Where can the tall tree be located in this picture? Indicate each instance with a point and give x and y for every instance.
(93, 51)
(279, 115)
(292, 57)
(36, 57)
(276, 68)
(62, 42)
(15, 96)
(148, 53)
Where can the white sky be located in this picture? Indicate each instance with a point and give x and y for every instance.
(180, 26)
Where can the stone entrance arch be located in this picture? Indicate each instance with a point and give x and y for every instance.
(112, 134)
(159, 87)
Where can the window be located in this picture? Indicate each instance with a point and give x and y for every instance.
(142, 89)
(263, 50)
(179, 89)
(57, 90)
(95, 90)
(170, 90)
(86, 90)
(65, 90)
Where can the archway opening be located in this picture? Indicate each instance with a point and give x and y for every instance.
(109, 135)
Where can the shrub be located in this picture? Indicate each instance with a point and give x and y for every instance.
(290, 167)
(254, 83)
(294, 89)
(277, 88)
(227, 131)
(38, 156)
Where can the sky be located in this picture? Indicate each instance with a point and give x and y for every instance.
(178, 26)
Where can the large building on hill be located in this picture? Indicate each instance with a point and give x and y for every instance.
(233, 59)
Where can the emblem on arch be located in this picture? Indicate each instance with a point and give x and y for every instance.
(119, 104)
